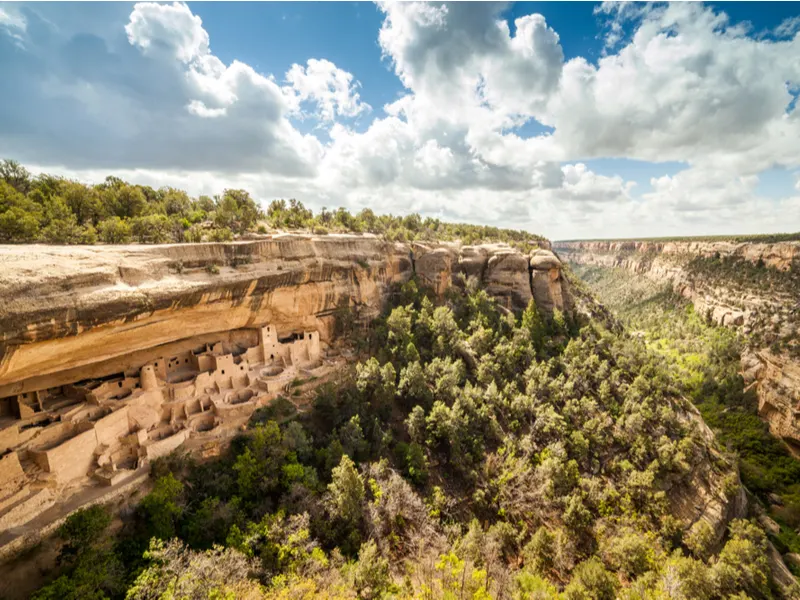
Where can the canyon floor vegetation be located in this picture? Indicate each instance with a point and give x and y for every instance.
(706, 362)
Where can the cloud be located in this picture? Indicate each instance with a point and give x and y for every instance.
(140, 91)
(168, 30)
(151, 95)
(687, 87)
(329, 87)
(788, 27)
(13, 24)
(618, 14)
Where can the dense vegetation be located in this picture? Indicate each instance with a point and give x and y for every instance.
(55, 210)
(774, 324)
(742, 274)
(470, 454)
(706, 360)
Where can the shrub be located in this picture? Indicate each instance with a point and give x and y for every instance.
(17, 225)
(114, 231)
(220, 234)
(700, 539)
(152, 229)
(591, 581)
(82, 529)
(194, 234)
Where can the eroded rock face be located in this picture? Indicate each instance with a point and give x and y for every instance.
(547, 282)
(63, 309)
(434, 266)
(777, 380)
(507, 277)
(761, 314)
(513, 277)
(68, 313)
(710, 496)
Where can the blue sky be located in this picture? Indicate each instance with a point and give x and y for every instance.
(571, 119)
(273, 36)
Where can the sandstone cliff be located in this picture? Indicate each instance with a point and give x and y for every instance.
(752, 287)
(68, 313)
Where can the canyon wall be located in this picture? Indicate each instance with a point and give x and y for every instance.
(68, 313)
(751, 287)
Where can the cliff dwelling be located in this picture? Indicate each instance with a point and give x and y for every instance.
(56, 441)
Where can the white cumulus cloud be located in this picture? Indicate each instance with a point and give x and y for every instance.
(329, 87)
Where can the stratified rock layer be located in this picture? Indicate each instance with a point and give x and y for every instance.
(68, 313)
(65, 312)
(761, 314)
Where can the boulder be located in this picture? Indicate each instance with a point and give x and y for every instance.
(546, 280)
(472, 261)
(792, 559)
(769, 524)
(507, 278)
(544, 260)
(435, 267)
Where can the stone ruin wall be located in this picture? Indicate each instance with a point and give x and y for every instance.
(59, 439)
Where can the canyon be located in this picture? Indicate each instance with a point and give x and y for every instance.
(748, 286)
(112, 356)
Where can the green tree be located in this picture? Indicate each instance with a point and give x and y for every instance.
(128, 201)
(591, 581)
(15, 175)
(700, 539)
(176, 202)
(152, 229)
(532, 321)
(163, 506)
(376, 382)
(18, 225)
(220, 234)
(114, 231)
(84, 202)
(97, 575)
(742, 564)
(540, 551)
(62, 226)
(237, 211)
(82, 530)
(370, 573)
(346, 491)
